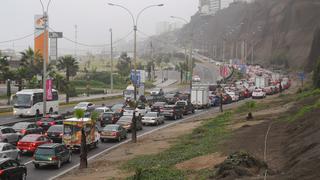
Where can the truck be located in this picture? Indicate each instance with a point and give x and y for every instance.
(72, 132)
(200, 96)
(261, 82)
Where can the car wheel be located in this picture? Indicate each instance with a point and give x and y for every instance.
(175, 117)
(37, 113)
(59, 164)
(24, 176)
(69, 159)
(50, 111)
(37, 166)
(102, 140)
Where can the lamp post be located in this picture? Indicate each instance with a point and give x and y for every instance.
(191, 49)
(44, 54)
(135, 20)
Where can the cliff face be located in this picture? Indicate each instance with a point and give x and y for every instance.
(281, 30)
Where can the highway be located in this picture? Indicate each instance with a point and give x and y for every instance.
(208, 75)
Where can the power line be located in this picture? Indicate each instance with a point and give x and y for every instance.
(20, 38)
(93, 45)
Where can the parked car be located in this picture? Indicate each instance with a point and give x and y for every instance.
(268, 90)
(29, 143)
(187, 107)
(108, 118)
(49, 120)
(113, 132)
(226, 99)
(172, 111)
(9, 135)
(51, 154)
(86, 106)
(154, 118)
(258, 93)
(9, 151)
(24, 128)
(12, 169)
(55, 133)
(158, 106)
(126, 123)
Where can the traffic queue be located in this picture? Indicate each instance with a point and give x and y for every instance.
(52, 139)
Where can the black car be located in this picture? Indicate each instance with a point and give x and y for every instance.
(25, 128)
(49, 120)
(187, 107)
(172, 111)
(12, 170)
(51, 154)
(55, 133)
(171, 98)
(108, 118)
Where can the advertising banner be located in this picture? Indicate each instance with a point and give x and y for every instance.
(41, 38)
(49, 89)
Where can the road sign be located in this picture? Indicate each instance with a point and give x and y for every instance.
(55, 34)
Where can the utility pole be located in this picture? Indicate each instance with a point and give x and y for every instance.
(191, 64)
(111, 56)
(45, 60)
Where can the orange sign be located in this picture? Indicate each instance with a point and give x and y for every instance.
(41, 38)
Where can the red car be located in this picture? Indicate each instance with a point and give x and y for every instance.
(50, 120)
(29, 143)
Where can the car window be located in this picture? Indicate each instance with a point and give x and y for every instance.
(45, 139)
(13, 163)
(40, 138)
(11, 130)
(59, 149)
(12, 147)
(64, 148)
(90, 104)
(5, 148)
(4, 131)
(6, 165)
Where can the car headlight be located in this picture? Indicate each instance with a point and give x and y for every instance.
(28, 112)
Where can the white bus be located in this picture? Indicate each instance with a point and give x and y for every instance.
(29, 102)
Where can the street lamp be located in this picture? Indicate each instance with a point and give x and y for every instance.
(191, 49)
(45, 56)
(135, 29)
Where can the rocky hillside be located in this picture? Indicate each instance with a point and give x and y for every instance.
(282, 32)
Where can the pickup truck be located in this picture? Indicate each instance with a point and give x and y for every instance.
(172, 111)
(187, 107)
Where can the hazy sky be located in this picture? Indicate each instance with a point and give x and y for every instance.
(93, 17)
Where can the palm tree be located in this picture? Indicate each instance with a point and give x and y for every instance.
(79, 114)
(71, 66)
(33, 61)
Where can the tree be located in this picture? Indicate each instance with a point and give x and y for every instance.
(4, 68)
(71, 66)
(316, 75)
(182, 67)
(150, 68)
(79, 114)
(124, 65)
(33, 61)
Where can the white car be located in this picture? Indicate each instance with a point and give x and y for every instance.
(102, 110)
(9, 151)
(86, 106)
(154, 118)
(156, 92)
(258, 93)
(196, 78)
(234, 96)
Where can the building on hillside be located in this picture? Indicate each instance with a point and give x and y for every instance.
(209, 7)
(164, 27)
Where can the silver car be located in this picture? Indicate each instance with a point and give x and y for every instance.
(154, 118)
(8, 135)
(9, 151)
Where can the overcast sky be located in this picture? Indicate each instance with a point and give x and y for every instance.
(93, 17)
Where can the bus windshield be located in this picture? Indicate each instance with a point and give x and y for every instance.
(22, 100)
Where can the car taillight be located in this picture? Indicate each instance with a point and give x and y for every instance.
(114, 133)
(39, 123)
(1, 172)
(52, 123)
(23, 131)
(54, 158)
(46, 134)
(61, 134)
(33, 144)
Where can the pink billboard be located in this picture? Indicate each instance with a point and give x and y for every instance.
(49, 89)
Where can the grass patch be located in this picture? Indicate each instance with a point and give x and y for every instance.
(305, 94)
(202, 141)
(303, 111)
(251, 106)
